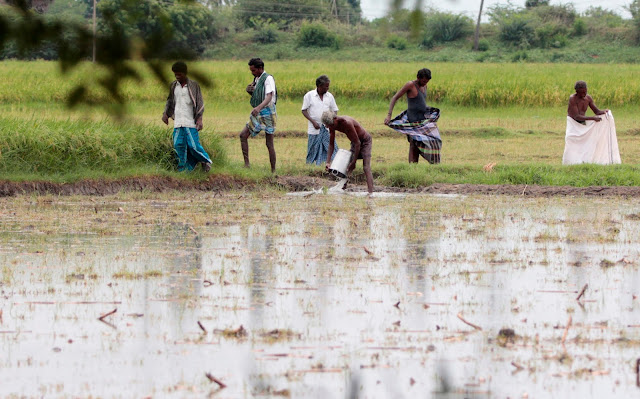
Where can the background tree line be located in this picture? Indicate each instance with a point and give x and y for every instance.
(190, 29)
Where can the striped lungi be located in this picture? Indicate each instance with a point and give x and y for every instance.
(424, 134)
(266, 120)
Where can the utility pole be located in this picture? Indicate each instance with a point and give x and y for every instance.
(94, 31)
(476, 38)
(334, 8)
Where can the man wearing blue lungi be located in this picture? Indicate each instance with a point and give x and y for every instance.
(263, 115)
(314, 104)
(186, 106)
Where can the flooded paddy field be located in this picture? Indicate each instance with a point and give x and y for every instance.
(263, 294)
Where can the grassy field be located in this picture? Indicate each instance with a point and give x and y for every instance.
(513, 115)
(460, 84)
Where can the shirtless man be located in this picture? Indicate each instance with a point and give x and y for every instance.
(416, 91)
(579, 102)
(361, 142)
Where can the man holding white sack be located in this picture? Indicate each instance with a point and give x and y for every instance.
(589, 139)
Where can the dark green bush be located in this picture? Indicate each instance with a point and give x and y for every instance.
(397, 42)
(483, 45)
(579, 27)
(446, 27)
(517, 29)
(317, 35)
(265, 30)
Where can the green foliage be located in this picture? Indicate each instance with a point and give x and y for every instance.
(67, 147)
(69, 8)
(634, 9)
(283, 13)
(397, 42)
(483, 45)
(175, 30)
(517, 30)
(536, 3)
(265, 30)
(68, 39)
(562, 14)
(579, 27)
(447, 27)
(317, 35)
(521, 55)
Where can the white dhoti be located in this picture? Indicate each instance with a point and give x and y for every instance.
(594, 142)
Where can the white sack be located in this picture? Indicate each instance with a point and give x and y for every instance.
(595, 142)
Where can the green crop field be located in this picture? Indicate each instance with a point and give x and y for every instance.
(512, 114)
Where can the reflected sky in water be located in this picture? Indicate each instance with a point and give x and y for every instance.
(339, 296)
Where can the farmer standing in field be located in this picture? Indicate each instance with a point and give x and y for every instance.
(361, 142)
(263, 115)
(314, 104)
(418, 122)
(186, 106)
(593, 142)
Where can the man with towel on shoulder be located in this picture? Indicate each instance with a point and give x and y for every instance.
(589, 139)
(263, 115)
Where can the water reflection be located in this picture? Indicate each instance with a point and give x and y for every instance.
(337, 296)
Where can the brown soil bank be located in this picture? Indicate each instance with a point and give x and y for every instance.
(289, 183)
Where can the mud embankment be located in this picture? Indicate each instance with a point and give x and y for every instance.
(158, 184)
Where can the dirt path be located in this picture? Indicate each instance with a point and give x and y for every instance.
(290, 183)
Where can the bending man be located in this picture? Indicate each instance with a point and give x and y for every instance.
(361, 142)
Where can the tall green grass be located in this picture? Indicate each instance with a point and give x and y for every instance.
(49, 147)
(462, 84)
(412, 176)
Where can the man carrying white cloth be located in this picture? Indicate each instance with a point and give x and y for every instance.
(589, 139)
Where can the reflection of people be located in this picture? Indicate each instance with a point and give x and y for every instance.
(186, 106)
(579, 102)
(361, 142)
(589, 139)
(314, 104)
(416, 91)
(263, 115)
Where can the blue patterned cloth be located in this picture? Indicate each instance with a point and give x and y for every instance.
(318, 147)
(186, 143)
(266, 120)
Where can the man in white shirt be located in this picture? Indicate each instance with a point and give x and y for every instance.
(314, 104)
(263, 115)
(186, 106)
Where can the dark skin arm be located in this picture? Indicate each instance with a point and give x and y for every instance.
(408, 88)
(314, 123)
(347, 127)
(575, 112)
(264, 103)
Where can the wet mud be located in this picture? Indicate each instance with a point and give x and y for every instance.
(159, 184)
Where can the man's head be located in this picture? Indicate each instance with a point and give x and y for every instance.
(180, 71)
(322, 84)
(424, 76)
(581, 88)
(328, 117)
(256, 66)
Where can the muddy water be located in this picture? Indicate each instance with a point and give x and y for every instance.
(319, 296)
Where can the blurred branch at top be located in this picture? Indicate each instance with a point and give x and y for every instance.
(416, 19)
(142, 30)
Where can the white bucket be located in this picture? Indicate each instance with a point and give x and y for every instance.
(340, 163)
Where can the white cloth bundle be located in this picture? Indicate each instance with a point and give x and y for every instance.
(595, 142)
